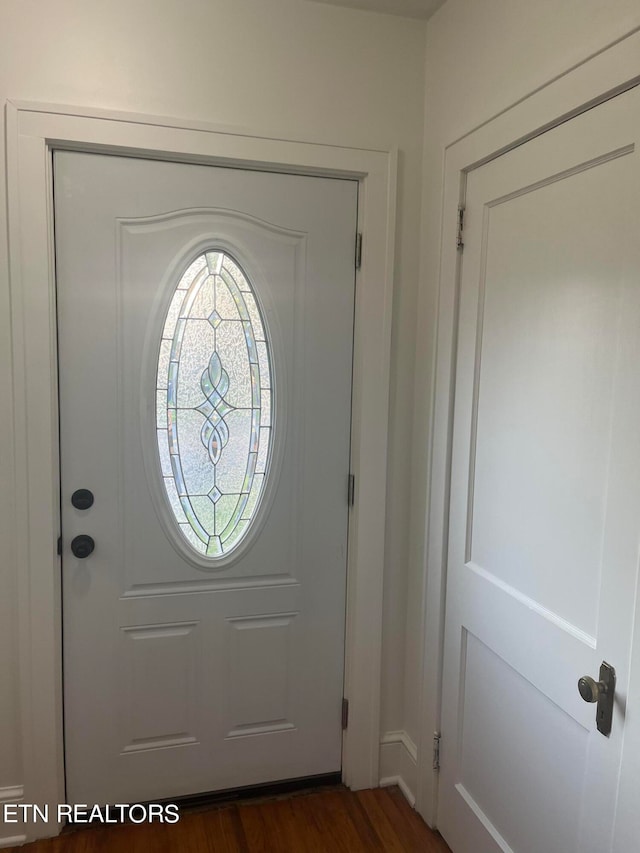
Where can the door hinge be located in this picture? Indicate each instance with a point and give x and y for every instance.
(460, 230)
(436, 750)
(358, 257)
(345, 713)
(59, 545)
(351, 490)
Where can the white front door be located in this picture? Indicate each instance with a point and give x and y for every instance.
(205, 346)
(545, 494)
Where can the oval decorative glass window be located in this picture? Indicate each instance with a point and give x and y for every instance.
(214, 404)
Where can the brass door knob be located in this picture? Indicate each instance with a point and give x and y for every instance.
(590, 689)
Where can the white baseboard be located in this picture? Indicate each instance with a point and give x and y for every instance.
(399, 763)
(13, 841)
(11, 795)
(388, 781)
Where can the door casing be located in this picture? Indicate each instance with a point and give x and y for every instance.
(602, 76)
(34, 131)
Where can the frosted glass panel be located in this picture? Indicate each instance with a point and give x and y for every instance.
(214, 404)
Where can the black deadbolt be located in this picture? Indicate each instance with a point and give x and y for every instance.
(82, 499)
(82, 546)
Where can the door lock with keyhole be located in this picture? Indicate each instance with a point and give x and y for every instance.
(602, 692)
(82, 499)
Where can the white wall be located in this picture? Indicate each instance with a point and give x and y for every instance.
(287, 67)
(481, 58)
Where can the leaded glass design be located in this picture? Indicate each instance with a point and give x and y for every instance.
(214, 404)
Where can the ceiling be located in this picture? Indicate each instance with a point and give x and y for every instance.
(407, 8)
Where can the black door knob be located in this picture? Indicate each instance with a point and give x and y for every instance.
(82, 499)
(82, 546)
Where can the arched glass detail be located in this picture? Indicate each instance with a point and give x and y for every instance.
(214, 404)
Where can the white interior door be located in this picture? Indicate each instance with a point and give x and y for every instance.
(545, 496)
(205, 349)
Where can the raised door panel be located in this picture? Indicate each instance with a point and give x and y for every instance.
(504, 736)
(550, 324)
(259, 665)
(163, 667)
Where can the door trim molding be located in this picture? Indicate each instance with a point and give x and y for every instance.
(599, 77)
(33, 131)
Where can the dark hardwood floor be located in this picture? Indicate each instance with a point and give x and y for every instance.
(334, 820)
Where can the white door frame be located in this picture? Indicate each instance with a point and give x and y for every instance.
(33, 132)
(598, 78)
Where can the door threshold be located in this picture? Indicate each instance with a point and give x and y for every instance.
(210, 799)
(266, 790)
